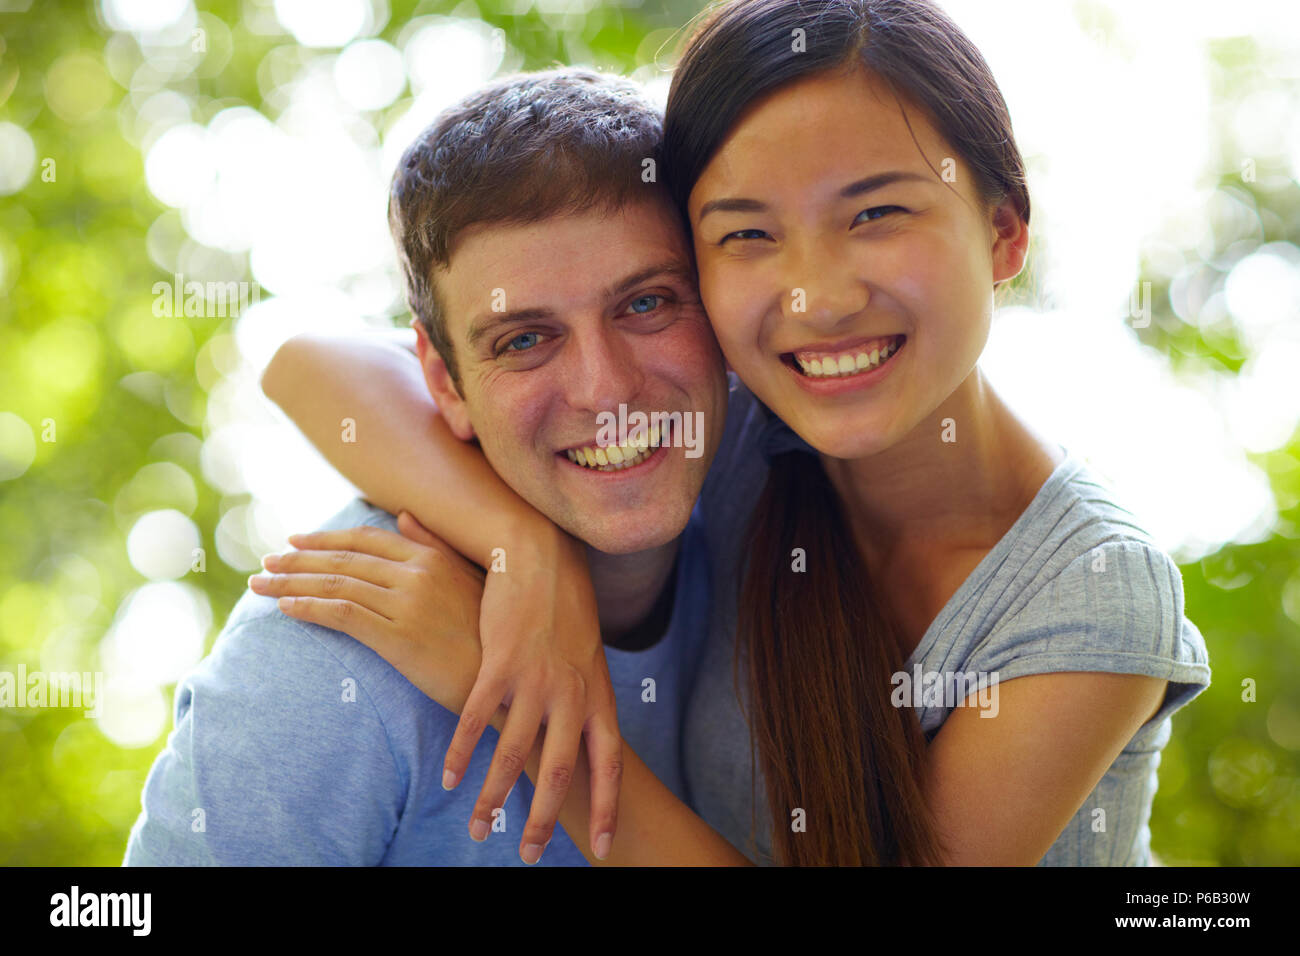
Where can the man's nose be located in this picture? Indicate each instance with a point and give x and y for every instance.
(606, 372)
(823, 287)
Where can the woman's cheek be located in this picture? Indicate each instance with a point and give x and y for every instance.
(733, 311)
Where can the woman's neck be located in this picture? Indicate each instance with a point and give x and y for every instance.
(956, 482)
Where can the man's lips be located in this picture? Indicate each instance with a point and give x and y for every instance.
(636, 463)
(632, 453)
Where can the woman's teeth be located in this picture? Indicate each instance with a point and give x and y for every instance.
(618, 457)
(850, 363)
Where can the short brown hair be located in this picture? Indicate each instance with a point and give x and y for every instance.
(521, 150)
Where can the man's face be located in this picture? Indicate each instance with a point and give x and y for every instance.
(556, 322)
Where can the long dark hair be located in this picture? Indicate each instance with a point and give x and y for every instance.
(821, 651)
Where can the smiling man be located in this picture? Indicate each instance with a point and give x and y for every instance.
(551, 284)
(640, 340)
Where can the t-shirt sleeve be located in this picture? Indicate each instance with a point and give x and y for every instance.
(1116, 609)
(278, 757)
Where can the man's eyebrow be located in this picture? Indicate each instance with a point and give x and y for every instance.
(858, 188)
(669, 267)
(492, 321)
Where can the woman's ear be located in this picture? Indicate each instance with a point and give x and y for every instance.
(1010, 241)
(444, 390)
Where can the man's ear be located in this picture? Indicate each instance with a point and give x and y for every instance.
(1010, 241)
(441, 387)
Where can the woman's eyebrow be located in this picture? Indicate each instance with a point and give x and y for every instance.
(732, 205)
(856, 188)
(880, 180)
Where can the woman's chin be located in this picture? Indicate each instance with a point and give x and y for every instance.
(845, 438)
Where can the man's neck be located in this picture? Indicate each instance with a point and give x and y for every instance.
(628, 588)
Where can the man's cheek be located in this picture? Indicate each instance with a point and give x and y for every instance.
(500, 450)
(691, 352)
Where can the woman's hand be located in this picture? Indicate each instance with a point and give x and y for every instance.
(543, 658)
(414, 604)
(417, 603)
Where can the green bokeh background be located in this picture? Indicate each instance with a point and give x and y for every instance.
(76, 320)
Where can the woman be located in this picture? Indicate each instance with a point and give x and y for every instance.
(855, 197)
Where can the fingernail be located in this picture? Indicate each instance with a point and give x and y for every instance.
(603, 844)
(259, 580)
(269, 559)
(478, 830)
(285, 604)
(532, 853)
(450, 779)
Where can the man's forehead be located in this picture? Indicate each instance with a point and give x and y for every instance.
(651, 216)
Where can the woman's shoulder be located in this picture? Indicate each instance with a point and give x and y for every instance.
(1084, 587)
(1078, 525)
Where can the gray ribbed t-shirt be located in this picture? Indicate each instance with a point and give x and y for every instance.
(1076, 584)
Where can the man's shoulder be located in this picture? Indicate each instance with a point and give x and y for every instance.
(360, 512)
(263, 654)
(293, 743)
(263, 611)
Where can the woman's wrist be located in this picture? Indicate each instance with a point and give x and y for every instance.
(537, 544)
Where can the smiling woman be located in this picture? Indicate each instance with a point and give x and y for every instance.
(852, 292)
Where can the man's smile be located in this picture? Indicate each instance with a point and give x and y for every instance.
(638, 450)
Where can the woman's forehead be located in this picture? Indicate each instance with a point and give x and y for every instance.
(842, 124)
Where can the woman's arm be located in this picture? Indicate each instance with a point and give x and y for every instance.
(1052, 738)
(654, 827)
(363, 402)
(413, 600)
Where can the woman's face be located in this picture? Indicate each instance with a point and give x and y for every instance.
(849, 283)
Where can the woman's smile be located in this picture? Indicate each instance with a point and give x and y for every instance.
(828, 370)
(843, 359)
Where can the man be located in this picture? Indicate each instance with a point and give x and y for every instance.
(552, 282)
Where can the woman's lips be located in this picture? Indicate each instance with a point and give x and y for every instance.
(858, 360)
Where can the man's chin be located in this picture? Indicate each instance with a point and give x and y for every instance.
(628, 534)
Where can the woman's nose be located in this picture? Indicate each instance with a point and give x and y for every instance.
(824, 287)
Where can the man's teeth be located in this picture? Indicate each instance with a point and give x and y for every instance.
(833, 366)
(617, 457)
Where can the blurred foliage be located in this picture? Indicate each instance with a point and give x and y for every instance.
(115, 393)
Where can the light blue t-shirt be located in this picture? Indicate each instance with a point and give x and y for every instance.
(1076, 584)
(298, 745)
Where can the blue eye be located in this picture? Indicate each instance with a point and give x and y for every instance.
(531, 338)
(876, 212)
(743, 234)
(644, 304)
